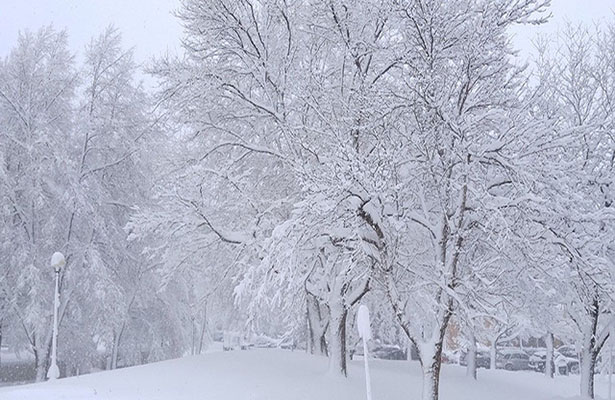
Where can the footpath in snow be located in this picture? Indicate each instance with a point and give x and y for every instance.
(286, 375)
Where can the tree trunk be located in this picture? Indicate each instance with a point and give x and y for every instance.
(431, 363)
(323, 345)
(589, 354)
(549, 364)
(193, 330)
(493, 353)
(203, 329)
(311, 336)
(0, 346)
(588, 368)
(42, 360)
(42, 365)
(317, 343)
(116, 346)
(337, 340)
(471, 357)
(430, 383)
(36, 365)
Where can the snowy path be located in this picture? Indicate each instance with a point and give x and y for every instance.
(285, 375)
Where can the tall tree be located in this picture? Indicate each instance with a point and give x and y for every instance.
(577, 85)
(37, 84)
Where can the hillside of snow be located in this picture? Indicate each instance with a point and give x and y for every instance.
(286, 375)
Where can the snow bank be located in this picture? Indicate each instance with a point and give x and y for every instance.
(286, 375)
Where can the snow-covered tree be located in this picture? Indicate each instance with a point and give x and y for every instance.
(376, 140)
(71, 171)
(37, 84)
(464, 123)
(577, 84)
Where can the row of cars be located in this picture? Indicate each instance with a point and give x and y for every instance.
(565, 360)
(238, 341)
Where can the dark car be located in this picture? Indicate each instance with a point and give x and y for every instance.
(483, 359)
(385, 352)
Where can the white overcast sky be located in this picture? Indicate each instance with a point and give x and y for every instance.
(150, 27)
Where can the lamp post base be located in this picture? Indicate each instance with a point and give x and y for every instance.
(54, 372)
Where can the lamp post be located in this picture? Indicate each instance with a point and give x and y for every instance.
(365, 333)
(57, 262)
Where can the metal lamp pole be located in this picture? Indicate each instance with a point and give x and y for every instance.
(57, 262)
(365, 333)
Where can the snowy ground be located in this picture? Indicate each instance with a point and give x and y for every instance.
(285, 375)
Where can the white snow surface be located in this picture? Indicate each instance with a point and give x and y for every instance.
(285, 375)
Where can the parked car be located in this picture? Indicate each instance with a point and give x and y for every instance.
(264, 342)
(538, 361)
(566, 360)
(235, 341)
(291, 344)
(568, 351)
(566, 365)
(513, 361)
(483, 359)
(389, 352)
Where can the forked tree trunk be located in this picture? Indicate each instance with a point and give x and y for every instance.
(42, 360)
(115, 350)
(40, 374)
(316, 327)
(430, 353)
(431, 363)
(323, 346)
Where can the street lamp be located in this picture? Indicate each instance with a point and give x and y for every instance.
(57, 262)
(365, 333)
